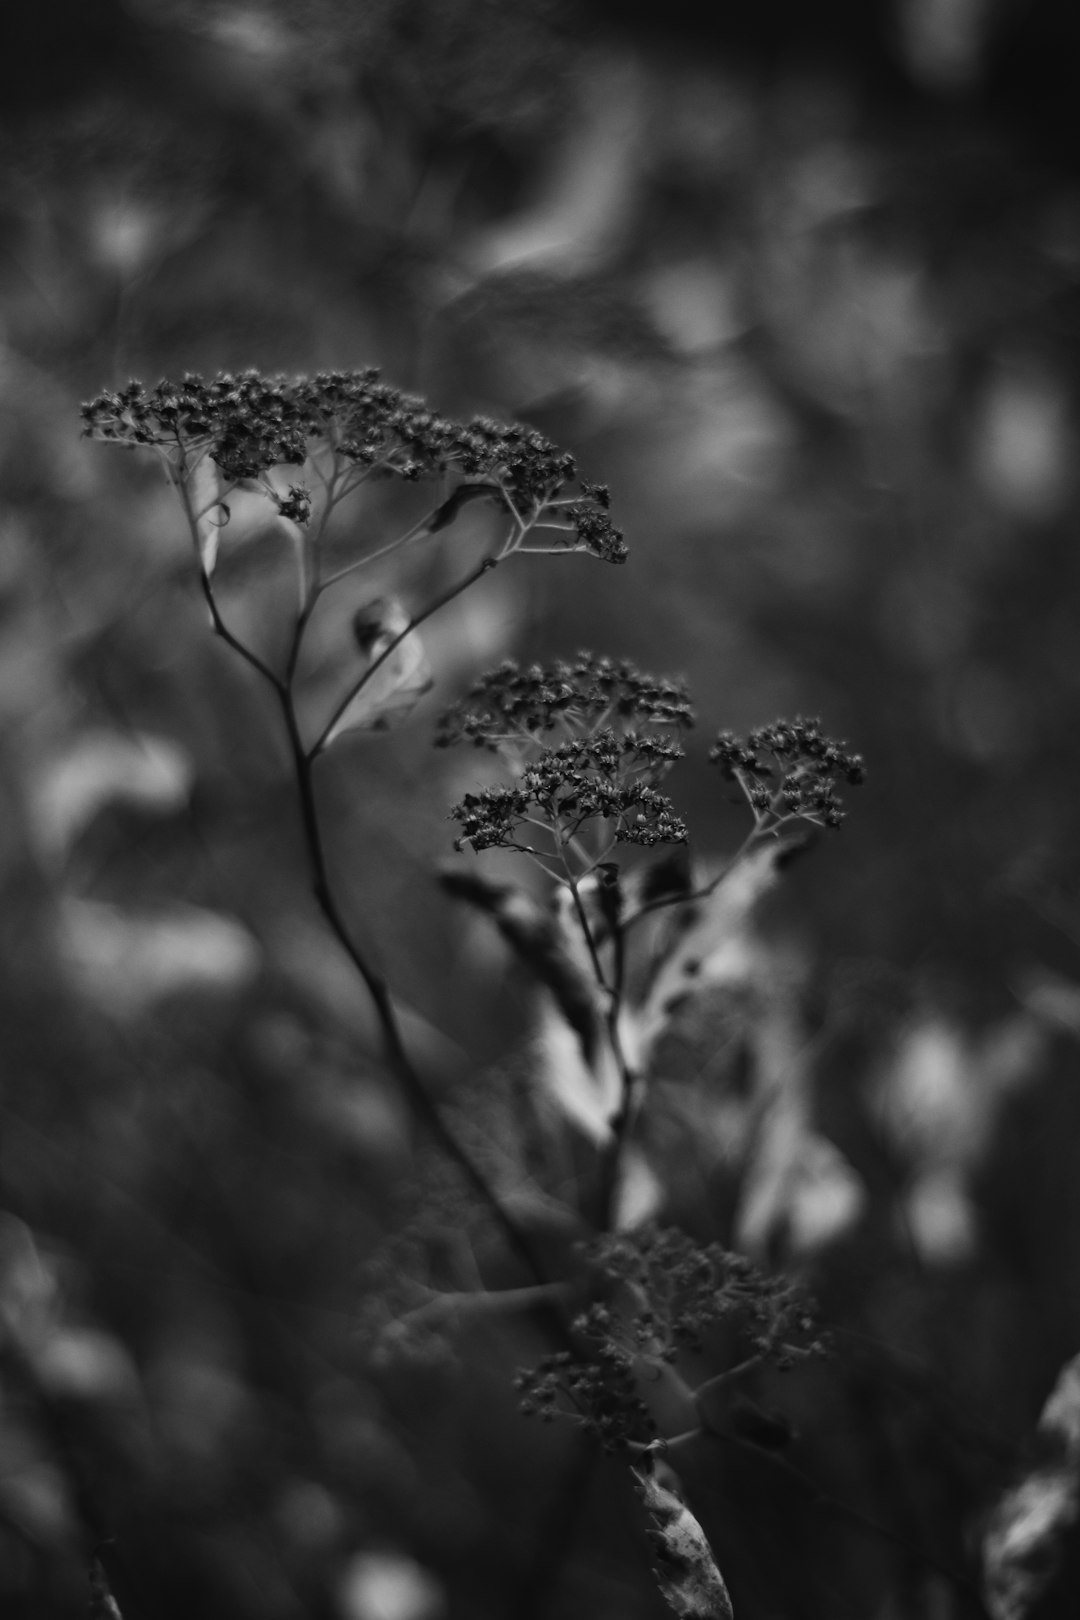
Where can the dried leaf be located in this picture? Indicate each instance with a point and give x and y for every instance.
(586, 1092)
(697, 954)
(451, 509)
(211, 513)
(1029, 1529)
(798, 1189)
(535, 936)
(576, 1064)
(686, 1572)
(399, 681)
(669, 877)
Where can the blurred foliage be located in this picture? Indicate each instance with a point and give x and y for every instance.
(801, 284)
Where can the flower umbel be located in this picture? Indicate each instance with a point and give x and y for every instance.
(601, 1392)
(511, 704)
(249, 424)
(602, 778)
(789, 771)
(679, 1289)
(664, 1292)
(604, 771)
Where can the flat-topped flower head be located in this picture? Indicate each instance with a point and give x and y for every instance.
(789, 771)
(512, 703)
(681, 1289)
(603, 778)
(599, 1391)
(573, 735)
(249, 424)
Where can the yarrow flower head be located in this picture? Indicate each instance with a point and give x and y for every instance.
(596, 778)
(789, 771)
(677, 1289)
(599, 1390)
(597, 767)
(511, 704)
(249, 424)
(664, 1292)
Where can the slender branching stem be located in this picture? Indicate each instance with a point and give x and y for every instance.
(303, 766)
(222, 630)
(611, 1161)
(757, 835)
(415, 621)
(419, 528)
(485, 1301)
(586, 930)
(394, 1045)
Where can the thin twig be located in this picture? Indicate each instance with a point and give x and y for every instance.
(393, 1042)
(415, 621)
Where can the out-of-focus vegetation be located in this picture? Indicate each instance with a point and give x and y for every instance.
(800, 284)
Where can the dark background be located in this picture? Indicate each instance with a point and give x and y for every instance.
(802, 283)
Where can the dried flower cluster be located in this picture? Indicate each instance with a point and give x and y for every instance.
(668, 1292)
(511, 704)
(604, 770)
(681, 1289)
(789, 771)
(249, 424)
(606, 777)
(600, 1391)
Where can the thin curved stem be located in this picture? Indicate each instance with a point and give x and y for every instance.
(239, 647)
(611, 1162)
(417, 619)
(583, 922)
(757, 835)
(179, 483)
(393, 1042)
(383, 551)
